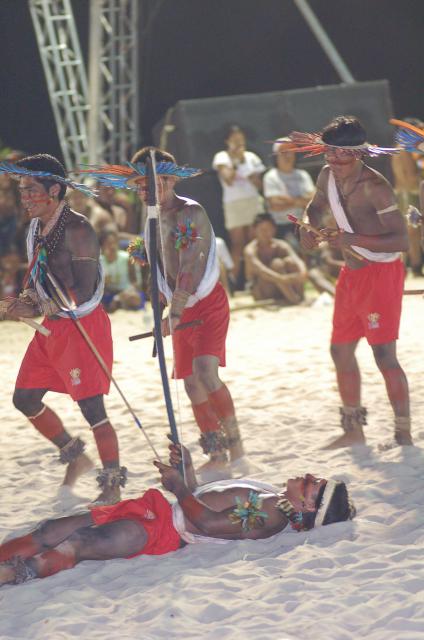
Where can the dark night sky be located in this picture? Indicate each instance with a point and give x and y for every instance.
(204, 48)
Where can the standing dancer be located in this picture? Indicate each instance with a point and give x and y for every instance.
(368, 292)
(64, 242)
(188, 274)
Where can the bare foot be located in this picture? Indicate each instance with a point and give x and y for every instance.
(215, 469)
(7, 574)
(348, 439)
(401, 438)
(236, 451)
(109, 495)
(76, 468)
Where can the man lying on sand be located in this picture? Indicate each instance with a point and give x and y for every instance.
(217, 512)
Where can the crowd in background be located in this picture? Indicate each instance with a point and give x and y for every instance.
(263, 255)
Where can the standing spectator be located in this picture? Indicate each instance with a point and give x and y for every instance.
(239, 172)
(287, 190)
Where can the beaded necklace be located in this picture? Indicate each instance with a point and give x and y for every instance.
(51, 239)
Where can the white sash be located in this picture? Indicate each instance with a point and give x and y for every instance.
(343, 223)
(86, 307)
(210, 276)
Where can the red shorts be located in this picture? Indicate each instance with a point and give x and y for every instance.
(153, 512)
(207, 339)
(368, 303)
(63, 362)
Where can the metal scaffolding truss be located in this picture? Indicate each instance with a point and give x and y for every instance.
(113, 73)
(98, 123)
(65, 73)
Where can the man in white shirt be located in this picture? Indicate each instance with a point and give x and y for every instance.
(287, 190)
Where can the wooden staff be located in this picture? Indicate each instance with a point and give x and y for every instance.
(413, 292)
(179, 327)
(4, 304)
(321, 236)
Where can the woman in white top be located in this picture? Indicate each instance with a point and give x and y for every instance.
(239, 172)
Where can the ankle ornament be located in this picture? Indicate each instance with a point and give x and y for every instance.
(353, 418)
(71, 450)
(23, 572)
(213, 441)
(111, 478)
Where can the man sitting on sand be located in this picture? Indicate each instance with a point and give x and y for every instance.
(272, 266)
(243, 509)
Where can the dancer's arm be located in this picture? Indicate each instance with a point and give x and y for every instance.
(219, 524)
(81, 242)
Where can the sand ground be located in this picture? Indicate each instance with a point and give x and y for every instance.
(361, 579)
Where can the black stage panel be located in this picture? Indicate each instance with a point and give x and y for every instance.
(193, 130)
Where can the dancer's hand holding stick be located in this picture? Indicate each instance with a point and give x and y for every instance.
(179, 327)
(4, 311)
(322, 237)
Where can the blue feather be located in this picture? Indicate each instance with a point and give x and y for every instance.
(13, 169)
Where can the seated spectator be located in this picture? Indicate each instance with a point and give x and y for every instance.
(239, 173)
(120, 276)
(107, 214)
(272, 266)
(287, 190)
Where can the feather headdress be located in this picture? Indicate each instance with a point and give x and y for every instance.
(408, 136)
(126, 176)
(19, 172)
(312, 144)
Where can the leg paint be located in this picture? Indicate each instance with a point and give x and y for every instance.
(50, 562)
(48, 423)
(107, 443)
(222, 403)
(205, 416)
(212, 439)
(24, 547)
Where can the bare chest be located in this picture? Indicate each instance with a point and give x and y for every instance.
(359, 209)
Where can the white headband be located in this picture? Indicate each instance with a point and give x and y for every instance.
(326, 499)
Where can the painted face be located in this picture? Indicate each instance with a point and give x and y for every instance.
(342, 161)
(34, 197)
(303, 492)
(164, 188)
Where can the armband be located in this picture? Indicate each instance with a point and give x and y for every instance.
(247, 512)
